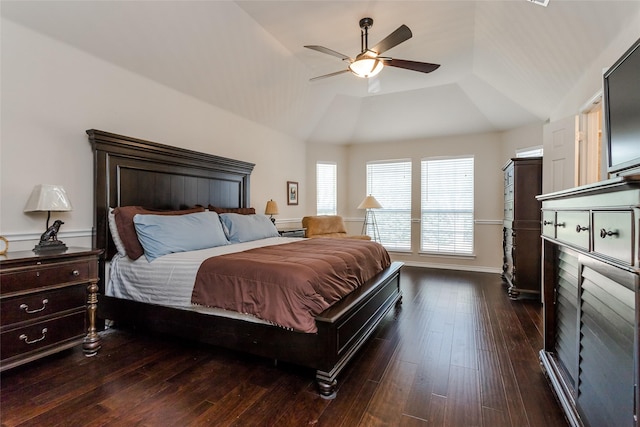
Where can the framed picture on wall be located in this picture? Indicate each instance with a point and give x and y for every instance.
(292, 193)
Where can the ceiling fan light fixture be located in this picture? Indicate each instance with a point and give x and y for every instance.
(366, 67)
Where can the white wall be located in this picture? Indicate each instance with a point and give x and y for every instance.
(590, 83)
(520, 138)
(52, 93)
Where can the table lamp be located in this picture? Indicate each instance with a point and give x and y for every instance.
(271, 209)
(45, 197)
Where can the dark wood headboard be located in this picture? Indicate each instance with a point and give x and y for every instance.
(134, 172)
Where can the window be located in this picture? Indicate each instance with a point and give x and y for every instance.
(447, 206)
(327, 183)
(529, 152)
(390, 183)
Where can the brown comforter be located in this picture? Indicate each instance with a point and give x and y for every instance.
(291, 283)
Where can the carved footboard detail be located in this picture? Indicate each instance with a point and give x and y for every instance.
(353, 327)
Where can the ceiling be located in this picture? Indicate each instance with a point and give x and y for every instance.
(504, 64)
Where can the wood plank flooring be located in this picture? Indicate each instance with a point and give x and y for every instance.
(457, 352)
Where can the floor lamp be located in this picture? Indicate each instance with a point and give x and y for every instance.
(369, 203)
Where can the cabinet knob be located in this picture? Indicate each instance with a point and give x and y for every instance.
(75, 273)
(604, 233)
(580, 228)
(547, 222)
(561, 224)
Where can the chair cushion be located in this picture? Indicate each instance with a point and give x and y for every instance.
(327, 226)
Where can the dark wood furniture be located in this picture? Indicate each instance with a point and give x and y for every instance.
(521, 227)
(131, 171)
(591, 256)
(47, 304)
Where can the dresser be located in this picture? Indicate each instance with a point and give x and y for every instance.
(521, 226)
(48, 303)
(591, 269)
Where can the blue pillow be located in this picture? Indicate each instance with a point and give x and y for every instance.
(246, 228)
(164, 234)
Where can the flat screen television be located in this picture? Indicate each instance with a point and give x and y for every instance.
(622, 113)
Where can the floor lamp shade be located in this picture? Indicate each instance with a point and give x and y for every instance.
(369, 202)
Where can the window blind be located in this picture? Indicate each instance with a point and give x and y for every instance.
(326, 188)
(390, 183)
(447, 206)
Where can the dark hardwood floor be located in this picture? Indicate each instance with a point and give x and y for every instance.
(457, 352)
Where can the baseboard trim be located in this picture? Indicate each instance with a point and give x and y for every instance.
(473, 268)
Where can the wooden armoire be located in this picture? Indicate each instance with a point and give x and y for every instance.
(521, 230)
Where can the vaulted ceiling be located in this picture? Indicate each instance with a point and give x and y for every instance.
(504, 64)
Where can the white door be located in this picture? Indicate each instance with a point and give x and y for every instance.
(559, 170)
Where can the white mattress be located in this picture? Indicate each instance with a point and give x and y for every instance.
(169, 279)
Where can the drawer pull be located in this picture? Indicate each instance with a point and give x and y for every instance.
(579, 228)
(75, 273)
(25, 338)
(25, 307)
(604, 233)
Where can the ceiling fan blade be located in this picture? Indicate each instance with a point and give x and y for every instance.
(324, 76)
(403, 33)
(329, 52)
(423, 67)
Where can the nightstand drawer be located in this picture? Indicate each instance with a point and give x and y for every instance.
(40, 335)
(34, 306)
(45, 275)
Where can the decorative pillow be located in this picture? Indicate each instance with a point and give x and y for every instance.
(165, 234)
(115, 236)
(124, 221)
(241, 211)
(245, 228)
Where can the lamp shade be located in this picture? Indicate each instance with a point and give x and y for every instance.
(46, 197)
(272, 208)
(369, 202)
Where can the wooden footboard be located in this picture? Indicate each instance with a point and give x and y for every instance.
(342, 329)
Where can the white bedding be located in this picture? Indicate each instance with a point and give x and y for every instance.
(169, 279)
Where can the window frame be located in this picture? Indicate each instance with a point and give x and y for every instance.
(465, 246)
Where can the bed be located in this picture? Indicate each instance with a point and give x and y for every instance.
(134, 172)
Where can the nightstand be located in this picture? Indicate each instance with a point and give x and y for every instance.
(292, 232)
(48, 304)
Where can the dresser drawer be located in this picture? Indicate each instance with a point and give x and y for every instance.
(549, 224)
(38, 336)
(45, 275)
(508, 210)
(573, 227)
(34, 306)
(613, 236)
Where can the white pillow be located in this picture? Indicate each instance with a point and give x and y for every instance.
(246, 228)
(115, 235)
(164, 234)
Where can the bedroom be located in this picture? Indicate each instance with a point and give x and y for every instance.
(52, 92)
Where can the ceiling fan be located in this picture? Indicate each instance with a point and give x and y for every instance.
(368, 62)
